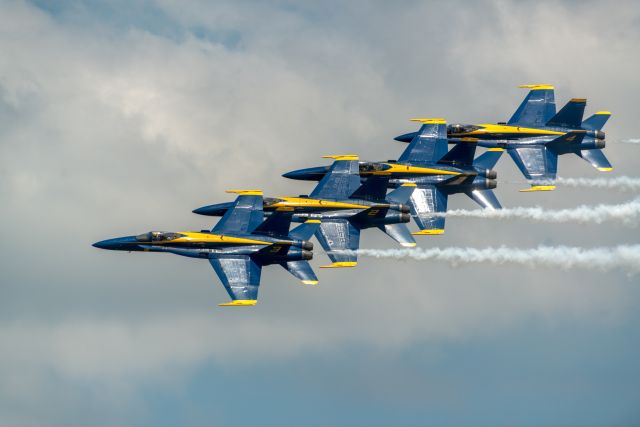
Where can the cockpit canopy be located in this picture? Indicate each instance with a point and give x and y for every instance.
(457, 129)
(158, 236)
(372, 167)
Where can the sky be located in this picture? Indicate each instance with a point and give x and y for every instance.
(119, 117)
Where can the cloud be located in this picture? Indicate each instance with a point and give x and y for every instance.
(118, 118)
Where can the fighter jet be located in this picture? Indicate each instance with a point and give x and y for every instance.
(345, 208)
(239, 245)
(436, 172)
(536, 135)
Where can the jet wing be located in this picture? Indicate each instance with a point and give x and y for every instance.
(245, 215)
(341, 181)
(537, 163)
(537, 108)
(339, 235)
(424, 202)
(240, 276)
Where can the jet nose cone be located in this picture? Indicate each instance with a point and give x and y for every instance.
(103, 244)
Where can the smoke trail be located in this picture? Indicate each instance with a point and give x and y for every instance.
(628, 213)
(624, 257)
(620, 183)
(630, 141)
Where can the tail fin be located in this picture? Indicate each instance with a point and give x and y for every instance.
(306, 230)
(488, 159)
(597, 121)
(400, 233)
(401, 194)
(461, 154)
(429, 144)
(374, 189)
(537, 108)
(302, 270)
(570, 116)
(597, 159)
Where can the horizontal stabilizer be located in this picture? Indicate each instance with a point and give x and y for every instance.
(485, 198)
(400, 233)
(597, 121)
(597, 159)
(302, 270)
(570, 116)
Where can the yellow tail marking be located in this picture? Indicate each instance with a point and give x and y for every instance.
(309, 282)
(239, 303)
(340, 264)
(433, 232)
(496, 149)
(537, 87)
(605, 169)
(409, 184)
(539, 188)
(578, 100)
(246, 192)
(342, 157)
(431, 121)
(312, 221)
(606, 113)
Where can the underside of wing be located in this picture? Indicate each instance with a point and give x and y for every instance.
(537, 163)
(240, 276)
(424, 202)
(337, 236)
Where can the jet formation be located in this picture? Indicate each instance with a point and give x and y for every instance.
(352, 195)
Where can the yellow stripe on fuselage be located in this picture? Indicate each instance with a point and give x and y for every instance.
(293, 202)
(400, 168)
(487, 128)
(193, 237)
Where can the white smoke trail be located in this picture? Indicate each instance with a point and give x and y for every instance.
(623, 257)
(628, 213)
(630, 141)
(620, 183)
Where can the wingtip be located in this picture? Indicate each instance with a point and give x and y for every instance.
(408, 245)
(538, 188)
(239, 303)
(433, 232)
(537, 87)
(341, 264)
(430, 121)
(605, 169)
(245, 192)
(309, 282)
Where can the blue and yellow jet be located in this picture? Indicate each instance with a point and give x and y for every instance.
(239, 245)
(345, 208)
(436, 172)
(536, 135)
